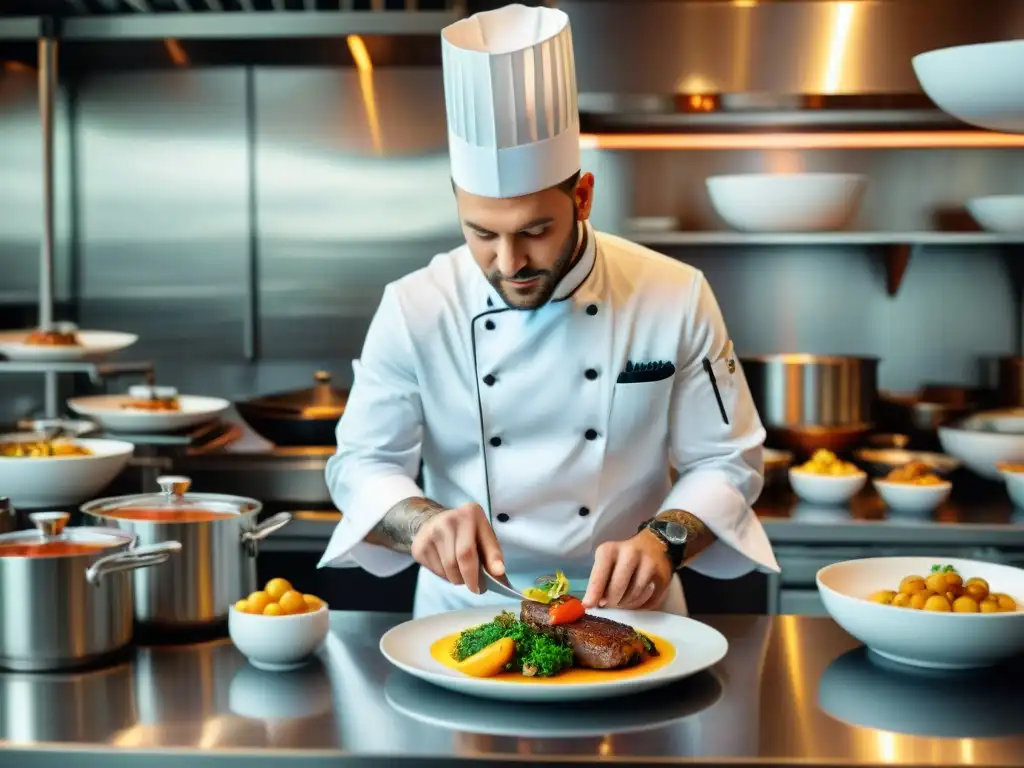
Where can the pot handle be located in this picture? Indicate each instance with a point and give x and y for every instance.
(267, 527)
(130, 560)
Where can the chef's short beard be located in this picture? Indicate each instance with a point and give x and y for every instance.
(550, 278)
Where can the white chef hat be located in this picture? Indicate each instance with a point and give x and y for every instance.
(510, 92)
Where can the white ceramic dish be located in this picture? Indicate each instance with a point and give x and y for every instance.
(92, 345)
(109, 412)
(884, 460)
(980, 84)
(826, 489)
(914, 499)
(998, 213)
(440, 708)
(697, 647)
(279, 643)
(798, 202)
(923, 638)
(1014, 486)
(61, 481)
(986, 439)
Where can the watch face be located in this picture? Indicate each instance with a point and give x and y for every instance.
(674, 533)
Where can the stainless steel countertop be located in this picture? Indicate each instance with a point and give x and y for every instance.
(792, 691)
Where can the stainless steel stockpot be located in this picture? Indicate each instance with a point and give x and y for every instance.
(219, 534)
(66, 594)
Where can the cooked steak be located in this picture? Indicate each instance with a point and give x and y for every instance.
(596, 642)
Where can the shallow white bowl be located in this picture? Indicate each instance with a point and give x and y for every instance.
(797, 202)
(980, 84)
(109, 412)
(1014, 486)
(62, 481)
(92, 346)
(826, 489)
(923, 638)
(278, 643)
(986, 439)
(904, 497)
(998, 213)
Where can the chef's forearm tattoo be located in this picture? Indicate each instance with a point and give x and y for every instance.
(399, 526)
(698, 536)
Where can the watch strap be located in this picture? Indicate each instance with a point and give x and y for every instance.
(676, 553)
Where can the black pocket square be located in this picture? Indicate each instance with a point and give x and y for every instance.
(636, 373)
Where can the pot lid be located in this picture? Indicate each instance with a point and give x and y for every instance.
(51, 528)
(321, 401)
(174, 495)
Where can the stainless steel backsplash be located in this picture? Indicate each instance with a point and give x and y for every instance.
(171, 182)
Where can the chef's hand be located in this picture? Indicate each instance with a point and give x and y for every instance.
(454, 543)
(631, 574)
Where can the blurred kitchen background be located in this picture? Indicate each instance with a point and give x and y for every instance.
(237, 181)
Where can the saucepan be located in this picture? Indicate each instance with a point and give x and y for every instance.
(301, 417)
(219, 535)
(66, 593)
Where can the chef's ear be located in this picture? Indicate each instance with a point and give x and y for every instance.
(584, 196)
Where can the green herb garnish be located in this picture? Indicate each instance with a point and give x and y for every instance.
(648, 643)
(943, 569)
(536, 654)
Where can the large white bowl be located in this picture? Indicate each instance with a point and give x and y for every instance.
(923, 638)
(279, 643)
(986, 439)
(797, 202)
(109, 412)
(998, 213)
(980, 84)
(62, 481)
(826, 489)
(915, 499)
(92, 345)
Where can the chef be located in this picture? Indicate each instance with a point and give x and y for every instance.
(545, 375)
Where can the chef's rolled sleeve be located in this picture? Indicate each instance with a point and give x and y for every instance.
(379, 441)
(716, 445)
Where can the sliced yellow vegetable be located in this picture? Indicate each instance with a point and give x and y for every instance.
(536, 593)
(489, 661)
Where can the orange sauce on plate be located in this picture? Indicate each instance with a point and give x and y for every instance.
(164, 515)
(53, 548)
(441, 651)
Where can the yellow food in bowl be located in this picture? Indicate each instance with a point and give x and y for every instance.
(827, 463)
(279, 598)
(41, 449)
(944, 590)
(1012, 468)
(914, 473)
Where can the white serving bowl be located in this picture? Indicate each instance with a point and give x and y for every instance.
(797, 202)
(278, 643)
(1014, 486)
(906, 497)
(61, 481)
(998, 213)
(111, 413)
(986, 439)
(828, 490)
(980, 84)
(923, 638)
(882, 461)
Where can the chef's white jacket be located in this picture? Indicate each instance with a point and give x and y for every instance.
(561, 422)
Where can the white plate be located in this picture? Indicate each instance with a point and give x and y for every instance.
(62, 481)
(980, 84)
(697, 647)
(998, 213)
(443, 709)
(109, 413)
(92, 345)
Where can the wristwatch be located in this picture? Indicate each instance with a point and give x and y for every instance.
(673, 535)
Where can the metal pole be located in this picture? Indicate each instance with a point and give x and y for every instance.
(47, 92)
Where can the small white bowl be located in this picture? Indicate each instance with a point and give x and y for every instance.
(917, 499)
(998, 213)
(985, 439)
(829, 490)
(278, 643)
(1014, 486)
(923, 638)
(792, 202)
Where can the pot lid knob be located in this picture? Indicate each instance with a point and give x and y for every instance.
(50, 524)
(174, 485)
(322, 377)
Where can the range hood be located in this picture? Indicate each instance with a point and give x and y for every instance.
(735, 65)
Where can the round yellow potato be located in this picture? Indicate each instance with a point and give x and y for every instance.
(242, 606)
(291, 602)
(937, 603)
(273, 609)
(313, 603)
(976, 588)
(901, 600)
(1006, 603)
(912, 584)
(918, 599)
(989, 606)
(258, 601)
(489, 661)
(884, 597)
(965, 604)
(277, 587)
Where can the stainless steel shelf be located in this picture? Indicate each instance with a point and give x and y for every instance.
(726, 238)
(96, 371)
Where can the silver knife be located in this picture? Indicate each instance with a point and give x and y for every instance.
(501, 585)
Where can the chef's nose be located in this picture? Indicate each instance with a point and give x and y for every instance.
(511, 256)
